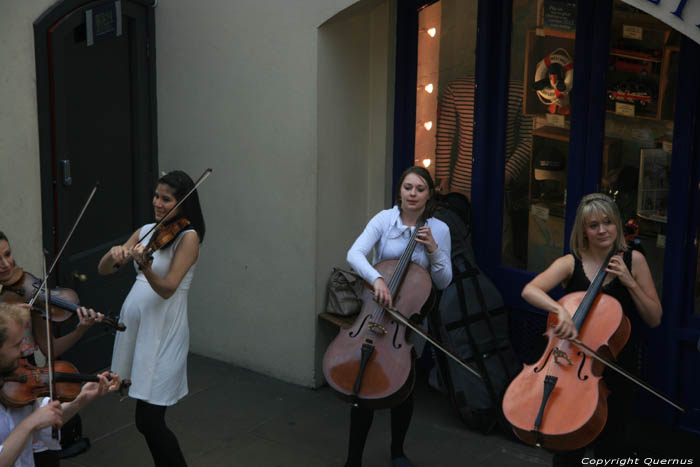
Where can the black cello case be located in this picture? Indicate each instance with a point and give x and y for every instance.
(472, 320)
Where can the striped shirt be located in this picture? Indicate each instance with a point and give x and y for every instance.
(456, 117)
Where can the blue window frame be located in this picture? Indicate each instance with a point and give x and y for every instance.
(680, 330)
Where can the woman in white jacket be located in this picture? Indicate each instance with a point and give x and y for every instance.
(387, 233)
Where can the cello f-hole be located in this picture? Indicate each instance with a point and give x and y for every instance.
(544, 364)
(580, 368)
(362, 324)
(396, 335)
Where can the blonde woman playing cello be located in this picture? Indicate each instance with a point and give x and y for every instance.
(597, 229)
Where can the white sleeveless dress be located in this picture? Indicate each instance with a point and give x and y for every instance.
(152, 352)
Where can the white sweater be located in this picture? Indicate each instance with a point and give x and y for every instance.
(386, 234)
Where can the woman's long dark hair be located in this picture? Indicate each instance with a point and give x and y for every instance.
(431, 204)
(181, 184)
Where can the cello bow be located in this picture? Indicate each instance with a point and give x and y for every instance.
(401, 319)
(592, 353)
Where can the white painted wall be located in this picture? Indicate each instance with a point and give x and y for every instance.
(355, 111)
(295, 120)
(298, 150)
(20, 189)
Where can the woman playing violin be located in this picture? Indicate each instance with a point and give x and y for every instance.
(152, 352)
(597, 229)
(35, 334)
(388, 233)
(23, 428)
(36, 327)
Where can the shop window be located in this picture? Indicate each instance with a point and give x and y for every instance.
(445, 92)
(537, 132)
(641, 80)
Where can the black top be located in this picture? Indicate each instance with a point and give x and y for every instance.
(630, 357)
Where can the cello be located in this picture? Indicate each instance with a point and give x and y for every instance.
(560, 402)
(370, 364)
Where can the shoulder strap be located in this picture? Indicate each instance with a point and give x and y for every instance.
(627, 258)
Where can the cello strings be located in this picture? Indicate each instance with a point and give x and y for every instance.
(398, 271)
(586, 303)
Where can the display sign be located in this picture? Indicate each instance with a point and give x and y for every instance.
(103, 22)
(556, 120)
(560, 14)
(624, 109)
(682, 15)
(632, 32)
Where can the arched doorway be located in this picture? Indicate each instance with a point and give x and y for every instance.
(95, 68)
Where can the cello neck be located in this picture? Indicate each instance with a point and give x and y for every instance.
(592, 292)
(404, 261)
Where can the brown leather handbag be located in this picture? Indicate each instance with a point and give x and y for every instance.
(344, 290)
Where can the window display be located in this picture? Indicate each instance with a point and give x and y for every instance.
(641, 52)
(641, 81)
(636, 152)
(445, 92)
(542, 59)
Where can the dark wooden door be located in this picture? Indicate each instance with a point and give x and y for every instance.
(95, 83)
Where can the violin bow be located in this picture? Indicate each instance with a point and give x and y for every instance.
(626, 374)
(63, 247)
(402, 319)
(49, 346)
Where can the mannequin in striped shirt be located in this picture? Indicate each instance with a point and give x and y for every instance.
(456, 127)
(453, 172)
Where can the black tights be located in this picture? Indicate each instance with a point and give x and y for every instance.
(46, 459)
(360, 422)
(150, 421)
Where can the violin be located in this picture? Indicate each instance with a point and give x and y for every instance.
(28, 382)
(64, 302)
(164, 236)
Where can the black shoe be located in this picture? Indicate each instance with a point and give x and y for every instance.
(78, 447)
(401, 462)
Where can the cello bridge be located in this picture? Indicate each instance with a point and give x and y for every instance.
(377, 328)
(561, 354)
